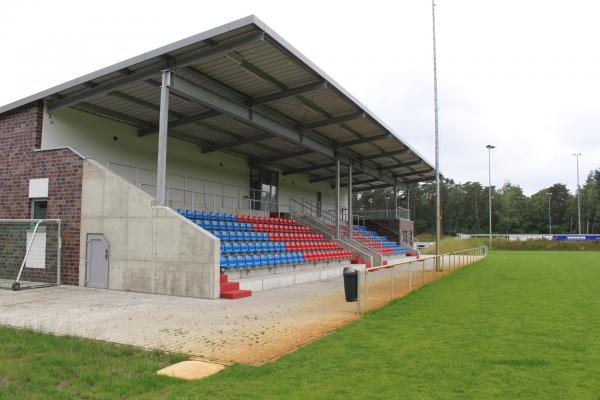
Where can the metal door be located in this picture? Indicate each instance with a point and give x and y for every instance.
(96, 261)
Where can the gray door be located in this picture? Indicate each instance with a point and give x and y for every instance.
(96, 260)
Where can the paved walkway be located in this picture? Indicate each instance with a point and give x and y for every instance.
(252, 330)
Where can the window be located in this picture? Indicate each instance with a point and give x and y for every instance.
(39, 209)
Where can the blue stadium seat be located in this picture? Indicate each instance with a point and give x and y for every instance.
(253, 236)
(235, 247)
(225, 235)
(241, 261)
(181, 211)
(224, 262)
(227, 248)
(189, 214)
(232, 261)
(247, 236)
(243, 247)
(277, 258)
(220, 216)
(249, 261)
(230, 217)
(256, 260)
(271, 259)
(264, 259)
(206, 224)
(217, 234)
(214, 224)
(247, 226)
(251, 247)
(198, 214)
(236, 226)
(271, 246)
(222, 225)
(198, 222)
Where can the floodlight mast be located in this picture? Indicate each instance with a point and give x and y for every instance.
(490, 147)
(438, 216)
(578, 195)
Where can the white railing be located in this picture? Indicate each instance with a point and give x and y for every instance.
(187, 199)
(145, 179)
(397, 213)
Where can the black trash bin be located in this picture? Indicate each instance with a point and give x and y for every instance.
(351, 284)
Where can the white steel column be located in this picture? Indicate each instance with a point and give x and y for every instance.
(337, 198)
(350, 219)
(163, 131)
(396, 213)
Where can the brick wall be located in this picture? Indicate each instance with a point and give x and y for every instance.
(20, 136)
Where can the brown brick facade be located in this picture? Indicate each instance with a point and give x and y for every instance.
(21, 160)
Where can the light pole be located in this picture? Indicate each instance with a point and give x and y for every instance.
(578, 195)
(490, 147)
(549, 212)
(438, 213)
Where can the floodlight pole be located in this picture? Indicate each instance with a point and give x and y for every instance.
(438, 214)
(578, 195)
(490, 147)
(549, 213)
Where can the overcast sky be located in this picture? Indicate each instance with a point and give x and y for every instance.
(523, 75)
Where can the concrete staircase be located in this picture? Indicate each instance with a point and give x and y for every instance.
(231, 290)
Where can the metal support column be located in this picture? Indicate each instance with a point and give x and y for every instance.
(337, 198)
(350, 219)
(163, 131)
(396, 213)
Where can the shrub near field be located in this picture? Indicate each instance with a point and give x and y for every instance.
(542, 244)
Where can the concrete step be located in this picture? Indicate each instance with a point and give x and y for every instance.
(236, 294)
(278, 280)
(229, 286)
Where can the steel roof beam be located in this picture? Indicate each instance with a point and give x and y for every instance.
(114, 115)
(235, 143)
(363, 140)
(288, 93)
(179, 122)
(334, 120)
(386, 154)
(151, 70)
(250, 117)
(361, 182)
(308, 169)
(383, 186)
(403, 164)
(279, 158)
(419, 172)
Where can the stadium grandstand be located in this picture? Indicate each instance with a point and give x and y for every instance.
(221, 164)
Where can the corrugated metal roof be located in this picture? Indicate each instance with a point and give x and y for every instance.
(235, 62)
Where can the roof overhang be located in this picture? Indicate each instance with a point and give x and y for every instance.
(242, 89)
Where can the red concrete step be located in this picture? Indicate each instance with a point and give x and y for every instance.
(224, 278)
(229, 286)
(236, 294)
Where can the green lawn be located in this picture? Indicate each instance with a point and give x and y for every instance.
(516, 325)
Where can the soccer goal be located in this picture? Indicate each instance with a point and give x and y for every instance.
(29, 253)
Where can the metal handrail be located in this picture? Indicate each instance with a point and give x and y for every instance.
(186, 181)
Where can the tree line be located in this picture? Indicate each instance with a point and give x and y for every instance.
(465, 207)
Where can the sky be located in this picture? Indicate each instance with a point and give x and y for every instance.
(523, 75)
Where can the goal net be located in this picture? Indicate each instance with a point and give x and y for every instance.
(29, 253)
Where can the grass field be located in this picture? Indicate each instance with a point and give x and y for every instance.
(520, 325)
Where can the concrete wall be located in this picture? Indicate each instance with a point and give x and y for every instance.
(152, 249)
(105, 140)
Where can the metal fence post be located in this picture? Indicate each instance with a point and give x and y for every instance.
(410, 277)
